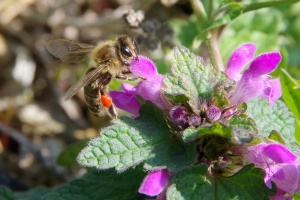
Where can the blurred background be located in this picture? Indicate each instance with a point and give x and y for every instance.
(40, 133)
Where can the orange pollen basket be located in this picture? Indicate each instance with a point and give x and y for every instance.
(106, 100)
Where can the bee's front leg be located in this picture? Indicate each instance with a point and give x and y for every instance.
(126, 77)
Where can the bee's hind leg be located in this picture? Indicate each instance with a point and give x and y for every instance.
(107, 102)
(113, 111)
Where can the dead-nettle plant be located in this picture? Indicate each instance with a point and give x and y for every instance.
(199, 133)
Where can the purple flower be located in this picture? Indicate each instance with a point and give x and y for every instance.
(126, 100)
(281, 166)
(255, 81)
(155, 182)
(149, 88)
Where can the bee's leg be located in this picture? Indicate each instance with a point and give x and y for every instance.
(102, 80)
(128, 78)
(113, 111)
(106, 101)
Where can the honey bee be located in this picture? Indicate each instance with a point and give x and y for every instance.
(110, 59)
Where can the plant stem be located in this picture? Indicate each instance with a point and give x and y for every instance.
(214, 51)
(212, 37)
(200, 12)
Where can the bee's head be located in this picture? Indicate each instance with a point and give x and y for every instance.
(127, 48)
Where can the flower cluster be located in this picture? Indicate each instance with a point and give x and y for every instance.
(280, 165)
(149, 88)
(278, 162)
(254, 81)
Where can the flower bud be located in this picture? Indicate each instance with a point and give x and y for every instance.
(213, 114)
(179, 116)
(195, 120)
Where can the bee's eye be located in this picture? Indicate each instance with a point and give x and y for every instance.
(125, 50)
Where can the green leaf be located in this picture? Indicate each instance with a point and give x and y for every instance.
(33, 194)
(101, 185)
(175, 156)
(220, 94)
(269, 118)
(6, 193)
(243, 126)
(230, 11)
(185, 30)
(191, 78)
(214, 140)
(298, 131)
(290, 92)
(274, 135)
(190, 134)
(192, 184)
(129, 142)
(216, 129)
(233, 10)
(68, 156)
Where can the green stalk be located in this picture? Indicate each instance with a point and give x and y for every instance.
(214, 51)
(212, 37)
(258, 5)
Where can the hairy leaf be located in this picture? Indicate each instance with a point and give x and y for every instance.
(192, 184)
(243, 126)
(189, 77)
(129, 142)
(269, 118)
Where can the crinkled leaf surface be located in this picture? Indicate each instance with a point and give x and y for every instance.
(243, 126)
(214, 139)
(192, 184)
(101, 185)
(191, 78)
(276, 117)
(129, 142)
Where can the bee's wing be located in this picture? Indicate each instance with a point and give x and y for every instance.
(83, 82)
(68, 50)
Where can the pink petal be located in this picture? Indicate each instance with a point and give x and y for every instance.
(263, 64)
(251, 153)
(285, 176)
(265, 154)
(126, 101)
(246, 89)
(143, 67)
(130, 89)
(273, 92)
(149, 89)
(280, 195)
(279, 153)
(239, 59)
(155, 182)
(279, 164)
